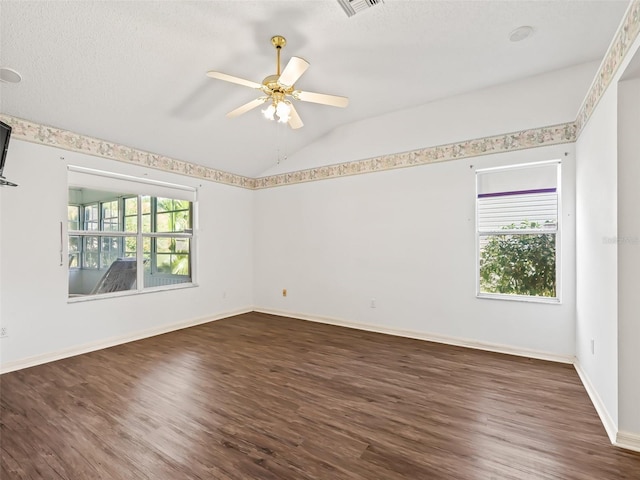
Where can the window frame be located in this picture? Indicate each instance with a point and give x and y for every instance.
(154, 235)
(81, 234)
(77, 254)
(558, 236)
(99, 233)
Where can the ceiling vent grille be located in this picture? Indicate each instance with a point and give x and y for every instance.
(351, 7)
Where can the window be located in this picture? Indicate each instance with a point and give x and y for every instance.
(170, 254)
(73, 215)
(518, 232)
(90, 221)
(125, 235)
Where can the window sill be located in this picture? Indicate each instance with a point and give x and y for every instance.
(129, 293)
(519, 298)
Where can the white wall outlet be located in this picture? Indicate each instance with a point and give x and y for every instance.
(593, 347)
(4, 332)
(224, 294)
(373, 303)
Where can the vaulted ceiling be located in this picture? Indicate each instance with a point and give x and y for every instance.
(133, 72)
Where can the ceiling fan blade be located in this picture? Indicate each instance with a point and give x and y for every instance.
(333, 100)
(293, 71)
(294, 119)
(246, 107)
(232, 79)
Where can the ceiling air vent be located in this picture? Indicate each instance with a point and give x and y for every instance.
(351, 7)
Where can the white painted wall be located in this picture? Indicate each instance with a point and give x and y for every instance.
(629, 254)
(34, 285)
(606, 201)
(596, 251)
(405, 238)
(549, 99)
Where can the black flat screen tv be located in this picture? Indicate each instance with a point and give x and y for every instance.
(5, 135)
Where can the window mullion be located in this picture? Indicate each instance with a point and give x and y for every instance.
(81, 224)
(520, 231)
(95, 233)
(139, 247)
(121, 226)
(100, 229)
(153, 242)
(169, 234)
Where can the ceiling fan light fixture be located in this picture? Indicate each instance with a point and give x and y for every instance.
(269, 111)
(283, 111)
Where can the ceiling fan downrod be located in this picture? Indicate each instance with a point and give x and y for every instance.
(278, 41)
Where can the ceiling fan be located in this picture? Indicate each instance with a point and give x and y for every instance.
(278, 89)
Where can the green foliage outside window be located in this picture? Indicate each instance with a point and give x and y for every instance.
(173, 255)
(519, 264)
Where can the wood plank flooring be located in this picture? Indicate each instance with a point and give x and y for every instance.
(264, 397)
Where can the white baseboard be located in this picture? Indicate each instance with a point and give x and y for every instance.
(608, 423)
(630, 441)
(112, 342)
(430, 337)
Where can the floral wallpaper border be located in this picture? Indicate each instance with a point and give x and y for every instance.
(55, 137)
(537, 137)
(625, 36)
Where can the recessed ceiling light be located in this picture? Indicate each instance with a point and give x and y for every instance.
(9, 75)
(521, 33)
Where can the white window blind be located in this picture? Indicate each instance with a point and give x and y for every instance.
(499, 213)
(100, 180)
(511, 198)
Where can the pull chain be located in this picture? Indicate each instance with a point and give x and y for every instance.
(277, 143)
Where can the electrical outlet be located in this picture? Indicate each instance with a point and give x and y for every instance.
(593, 347)
(4, 332)
(284, 292)
(224, 294)
(373, 303)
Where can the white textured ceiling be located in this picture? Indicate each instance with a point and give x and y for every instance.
(133, 72)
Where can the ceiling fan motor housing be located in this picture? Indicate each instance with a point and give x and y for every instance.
(272, 86)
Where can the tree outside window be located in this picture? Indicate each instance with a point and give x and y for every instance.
(519, 264)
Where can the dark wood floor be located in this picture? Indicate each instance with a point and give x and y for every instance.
(262, 397)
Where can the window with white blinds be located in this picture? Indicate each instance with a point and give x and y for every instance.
(502, 211)
(517, 218)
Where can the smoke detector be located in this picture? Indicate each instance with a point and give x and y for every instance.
(9, 75)
(351, 7)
